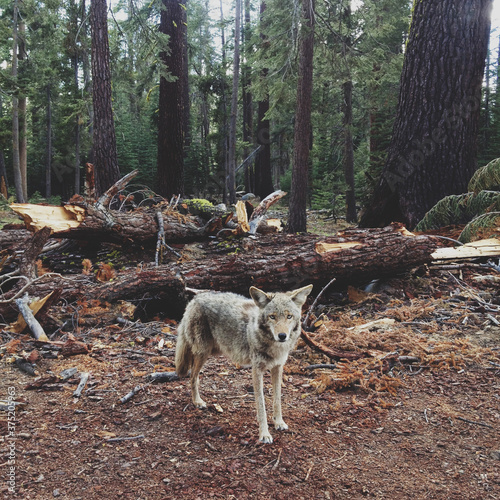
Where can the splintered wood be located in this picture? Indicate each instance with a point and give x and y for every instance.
(58, 219)
(324, 247)
(481, 248)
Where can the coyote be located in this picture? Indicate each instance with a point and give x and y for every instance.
(259, 333)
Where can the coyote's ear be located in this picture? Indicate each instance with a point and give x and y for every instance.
(260, 298)
(299, 296)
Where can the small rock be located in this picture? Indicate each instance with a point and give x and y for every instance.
(215, 431)
(56, 493)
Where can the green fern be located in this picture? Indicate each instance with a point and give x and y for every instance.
(458, 209)
(480, 227)
(486, 178)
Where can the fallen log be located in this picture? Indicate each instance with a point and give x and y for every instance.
(283, 262)
(84, 220)
(93, 223)
(273, 262)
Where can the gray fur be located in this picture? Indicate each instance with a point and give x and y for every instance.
(259, 332)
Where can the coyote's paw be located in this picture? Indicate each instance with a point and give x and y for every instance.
(266, 438)
(280, 426)
(200, 404)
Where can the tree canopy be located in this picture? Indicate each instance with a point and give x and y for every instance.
(358, 54)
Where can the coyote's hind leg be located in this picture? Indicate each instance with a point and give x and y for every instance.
(198, 362)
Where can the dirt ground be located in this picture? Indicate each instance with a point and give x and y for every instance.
(383, 426)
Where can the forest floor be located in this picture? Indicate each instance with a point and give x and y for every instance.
(383, 426)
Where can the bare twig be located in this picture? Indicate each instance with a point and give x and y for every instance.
(105, 199)
(482, 424)
(493, 319)
(125, 438)
(31, 321)
(408, 359)
(160, 244)
(31, 282)
(329, 366)
(84, 377)
(306, 319)
(132, 393)
(162, 376)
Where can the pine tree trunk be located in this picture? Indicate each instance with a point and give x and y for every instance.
(434, 144)
(171, 112)
(77, 130)
(3, 171)
(104, 139)
(16, 164)
(231, 180)
(23, 123)
(263, 172)
(48, 165)
(247, 98)
(302, 131)
(350, 196)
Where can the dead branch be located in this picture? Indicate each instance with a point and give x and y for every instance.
(126, 438)
(84, 377)
(331, 353)
(311, 309)
(132, 393)
(118, 186)
(259, 213)
(329, 366)
(32, 248)
(35, 327)
(475, 423)
(163, 377)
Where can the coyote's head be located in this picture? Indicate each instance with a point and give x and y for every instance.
(280, 312)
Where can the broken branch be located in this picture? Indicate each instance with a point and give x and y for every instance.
(31, 321)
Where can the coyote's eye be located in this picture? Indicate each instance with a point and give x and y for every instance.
(289, 316)
(272, 316)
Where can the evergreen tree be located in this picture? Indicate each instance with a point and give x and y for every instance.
(263, 180)
(171, 112)
(231, 180)
(104, 144)
(297, 221)
(434, 145)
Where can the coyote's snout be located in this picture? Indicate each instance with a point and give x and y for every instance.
(259, 332)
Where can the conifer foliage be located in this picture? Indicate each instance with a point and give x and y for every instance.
(311, 108)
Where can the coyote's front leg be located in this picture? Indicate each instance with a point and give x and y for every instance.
(258, 389)
(276, 377)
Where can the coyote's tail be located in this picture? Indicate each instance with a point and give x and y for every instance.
(183, 354)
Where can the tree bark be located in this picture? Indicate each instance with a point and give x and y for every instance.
(354, 256)
(350, 195)
(48, 165)
(172, 105)
(104, 139)
(263, 178)
(434, 144)
(93, 223)
(297, 221)
(246, 81)
(23, 118)
(16, 163)
(231, 179)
